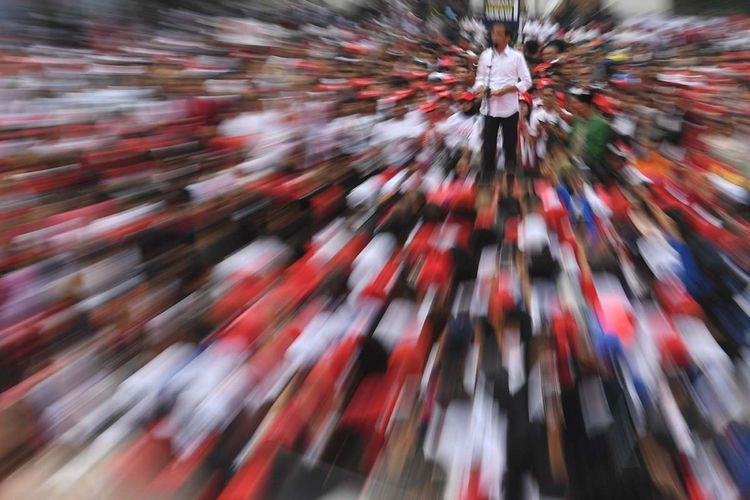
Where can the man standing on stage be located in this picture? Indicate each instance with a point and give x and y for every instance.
(501, 75)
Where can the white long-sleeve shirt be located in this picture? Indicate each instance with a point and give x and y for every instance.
(462, 130)
(498, 70)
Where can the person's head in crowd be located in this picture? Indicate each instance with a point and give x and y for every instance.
(461, 73)
(413, 99)
(557, 80)
(366, 103)
(648, 145)
(398, 82)
(549, 100)
(419, 95)
(443, 104)
(458, 89)
(467, 103)
(552, 50)
(500, 35)
(617, 156)
(347, 107)
(581, 102)
(400, 108)
(722, 125)
(556, 147)
(530, 51)
(532, 203)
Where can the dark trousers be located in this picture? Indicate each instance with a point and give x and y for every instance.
(510, 142)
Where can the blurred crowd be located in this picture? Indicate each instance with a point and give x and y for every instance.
(252, 259)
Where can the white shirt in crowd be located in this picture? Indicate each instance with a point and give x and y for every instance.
(526, 146)
(322, 141)
(624, 125)
(416, 117)
(397, 139)
(355, 133)
(538, 117)
(269, 137)
(498, 70)
(536, 30)
(531, 29)
(532, 234)
(460, 130)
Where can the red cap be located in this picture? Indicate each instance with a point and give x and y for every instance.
(369, 94)
(446, 94)
(448, 62)
(604, 103)
(428, 106)
(304, 64)
(400, 95)
(544, 82)
(332, 87)
(362, 82)
(525, 97)
(467, 96)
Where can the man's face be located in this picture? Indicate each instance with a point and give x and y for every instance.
(550, 53)
(461, 73)
(499, 36)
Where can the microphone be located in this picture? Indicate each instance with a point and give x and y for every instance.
(487, 90)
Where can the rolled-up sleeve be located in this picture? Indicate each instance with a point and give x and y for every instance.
(482, 73)
(524, 76)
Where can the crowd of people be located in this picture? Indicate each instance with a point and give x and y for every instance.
(274, 259)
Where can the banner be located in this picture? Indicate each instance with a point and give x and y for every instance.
(502, 10)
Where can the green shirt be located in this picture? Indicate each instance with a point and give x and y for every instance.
(589, 140)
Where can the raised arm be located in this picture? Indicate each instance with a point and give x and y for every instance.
(482, 75)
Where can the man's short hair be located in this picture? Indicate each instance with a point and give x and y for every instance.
(531, 47)
(560, 45)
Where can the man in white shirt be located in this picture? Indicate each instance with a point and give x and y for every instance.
(462, 131)
(353, 128)
(547, 120)
(501, 74)
(398, 138)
